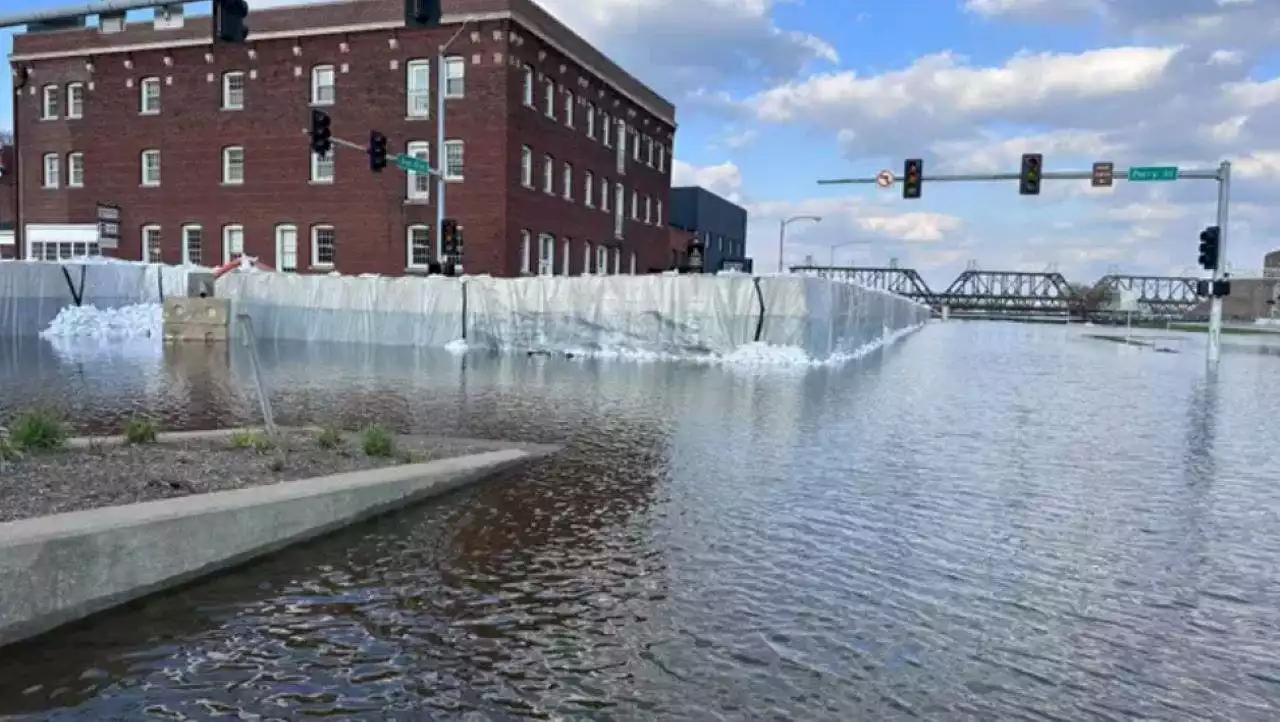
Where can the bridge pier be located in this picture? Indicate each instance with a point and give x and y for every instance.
(946, 312)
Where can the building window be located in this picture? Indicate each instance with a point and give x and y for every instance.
(568, 182)
(525, 250)
(233, 90)
(75, 100)
(546, 254)
(617, 261)
(635, 145)
(52, 171)
(151, 167)
(633, 263)
(418, 246)
(602, 260)
(455, 77)
(323, 85)
(606, 130)
(75, 170)
(569, 100)
(549, 100)
(192, 240)
(591, 121)
(322, 170)
(622, 148)
(635, 205)
(648, 149)
(528, 86)
(323, 246)
(233, 165)
(417, 88)
(604, 195)
(657, 213)
(548, 174)
(662, 158)
(648, 210)
(619, 205)
(565, 253)
(586, 257)
(151, 243)
(49, 107)
(453, 159)
(526, 166)
(149, 96)
(287, 248)
(418, 184)
(232, 242)
(589, 189)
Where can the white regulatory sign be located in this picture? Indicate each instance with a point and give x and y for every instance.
(884, 178)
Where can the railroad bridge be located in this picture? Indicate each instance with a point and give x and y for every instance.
(1023, 294)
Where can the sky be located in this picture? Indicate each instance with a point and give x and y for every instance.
(774, 95)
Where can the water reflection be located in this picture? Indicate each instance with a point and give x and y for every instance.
(988, 521)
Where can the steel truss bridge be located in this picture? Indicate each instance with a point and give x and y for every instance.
(1025, 294)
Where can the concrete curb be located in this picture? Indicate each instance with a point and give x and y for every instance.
(61, 568)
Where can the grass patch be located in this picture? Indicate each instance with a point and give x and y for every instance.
(38, 430)
(377, 441)
(330, 439)
(8, 451)
(141, 431)
(247, 439)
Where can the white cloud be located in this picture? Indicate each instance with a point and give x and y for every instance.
(724, 179)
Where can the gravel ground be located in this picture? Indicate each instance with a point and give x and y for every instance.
(108, 475)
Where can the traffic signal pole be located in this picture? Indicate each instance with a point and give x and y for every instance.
(1222, 174)
(442, 162)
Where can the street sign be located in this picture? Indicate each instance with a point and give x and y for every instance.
(1154, 173)
(884, 178)
(411, 164)
(108, 225)
(1104, 175)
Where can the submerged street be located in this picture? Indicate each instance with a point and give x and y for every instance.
(983, 521)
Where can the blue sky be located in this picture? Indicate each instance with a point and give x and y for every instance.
(773, 95)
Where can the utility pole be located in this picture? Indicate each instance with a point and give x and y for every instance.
(442, 162)
(1215, 306)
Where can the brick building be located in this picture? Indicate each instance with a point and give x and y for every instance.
(8, 202)
(559, 161)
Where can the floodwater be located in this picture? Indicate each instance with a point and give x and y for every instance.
(986, 521)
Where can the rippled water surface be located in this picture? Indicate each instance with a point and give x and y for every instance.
(987, 521)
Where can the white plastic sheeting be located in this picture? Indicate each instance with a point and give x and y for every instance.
(33, 292)
(658, 314)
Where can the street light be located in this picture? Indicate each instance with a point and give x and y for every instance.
(782, 233)
(832, 262)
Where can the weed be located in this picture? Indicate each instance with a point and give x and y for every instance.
(404, 456)
(141, 431)
(246, 439)
(329, 438)
(277, 463)
(9, 452)
(38, 430)
(376, 441)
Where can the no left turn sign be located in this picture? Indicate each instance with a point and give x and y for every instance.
(884, 178)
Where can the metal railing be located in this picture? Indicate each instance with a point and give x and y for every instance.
(250, 340)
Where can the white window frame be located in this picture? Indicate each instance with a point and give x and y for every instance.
(569, 100)
(418, 185)
(428, 246)
(228, 165)
(75, 169)
(589, 189)
(635, 145)
(622, 147)
(417, 96)
(318, 87)
(588, 255)
(528, 85)
(567, 184)
(232, 236)
(316, 230)
(546, 254)
(606, 130)
(635, 204)
(185, 237)
(526, 251)
(604, 194)
(549, 100)
(648, 149)
(662, 158)
(648, 211)
(591, 121)
(657, 213)
(602, 260)
(286, 235)
(149, 99)
(617, 261)
(455, 80)
(633, 264)
(320, 164)
(526, 166)
(75, 100)
(49, 105)
(51, 171)
(151, 252)
(619, 210)
(455, 148)
(566, 252)
(142, 160)
(229, 101)
(548, 175)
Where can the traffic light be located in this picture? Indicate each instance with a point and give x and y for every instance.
(321, 133)
(377, 151)
(1221, 288)
(229, 20)
(452, 237)
(422, 13)
(1032, 173)
(1202, 288)
(912, 177)
(1209, 239)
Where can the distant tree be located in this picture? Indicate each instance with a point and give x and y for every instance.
(1088, 299)
(6, 138)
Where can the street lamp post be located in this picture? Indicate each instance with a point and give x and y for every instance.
(782, 234)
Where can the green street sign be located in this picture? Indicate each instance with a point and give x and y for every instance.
(412, 164)
(1154, 173)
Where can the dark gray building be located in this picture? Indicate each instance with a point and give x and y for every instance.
(718, 223)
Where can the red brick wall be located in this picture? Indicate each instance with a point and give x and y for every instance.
(8, 197)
